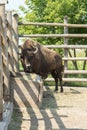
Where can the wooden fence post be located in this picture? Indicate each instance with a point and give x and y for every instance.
(15, 42)
(65, 42)
(4, 53)
(1, 82)
(9, 39)
(10, 49)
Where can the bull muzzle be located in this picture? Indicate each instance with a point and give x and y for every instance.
(28, 68)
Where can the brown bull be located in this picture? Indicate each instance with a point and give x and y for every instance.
(38, 59)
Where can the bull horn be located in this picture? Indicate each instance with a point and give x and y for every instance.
(36, 50)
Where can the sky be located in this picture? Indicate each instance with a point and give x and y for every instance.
(14, 4)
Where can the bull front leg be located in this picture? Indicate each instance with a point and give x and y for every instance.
(56, 84)
(60, 79)
(55, 76)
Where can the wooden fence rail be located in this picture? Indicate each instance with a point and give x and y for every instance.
(53, 24)
(1, 83)
(55, 35)
(67, 46)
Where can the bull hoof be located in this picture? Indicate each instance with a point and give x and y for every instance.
(61, 91)
(56, 91)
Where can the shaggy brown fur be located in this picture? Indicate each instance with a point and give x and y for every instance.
(38, 59)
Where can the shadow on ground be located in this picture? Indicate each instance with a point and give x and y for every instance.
(59, 111)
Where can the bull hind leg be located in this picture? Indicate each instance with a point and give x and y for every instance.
(55, 76)
(60, 79)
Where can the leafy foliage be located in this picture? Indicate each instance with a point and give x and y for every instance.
(54, 11)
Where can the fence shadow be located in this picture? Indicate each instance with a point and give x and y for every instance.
(49, 100)
(30, 117)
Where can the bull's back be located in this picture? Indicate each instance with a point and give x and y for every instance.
(50, 59)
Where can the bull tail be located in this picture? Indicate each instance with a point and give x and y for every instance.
(62, 69)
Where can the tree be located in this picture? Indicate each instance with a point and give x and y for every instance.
(54, 11)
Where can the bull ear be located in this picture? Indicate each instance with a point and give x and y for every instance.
(21, 47)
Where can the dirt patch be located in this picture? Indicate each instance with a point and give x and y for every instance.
(60, 111)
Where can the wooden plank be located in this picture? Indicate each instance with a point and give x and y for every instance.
(74, 58)
(1, 85)
(5, 53)
(75, 72)
(67, 46)
(1, 81)
(53, 24)
(69, 79)
(15, 42)
(65, 43)
(54, 35)
(70, 71)
(10, 43)
(75, 79)
(4, 61)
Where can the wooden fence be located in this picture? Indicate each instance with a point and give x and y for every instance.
(67, 56)
(8, 52)
(9, 49)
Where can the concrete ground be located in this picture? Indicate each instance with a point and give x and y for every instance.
(60, 111)
(7, 113)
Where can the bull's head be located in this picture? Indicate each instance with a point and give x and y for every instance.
(27, 55)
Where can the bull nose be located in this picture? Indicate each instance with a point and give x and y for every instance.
(28, 68)
(28, 65)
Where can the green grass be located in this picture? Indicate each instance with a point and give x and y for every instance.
(20, 66)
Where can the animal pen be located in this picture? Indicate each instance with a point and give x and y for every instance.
(9, 61)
